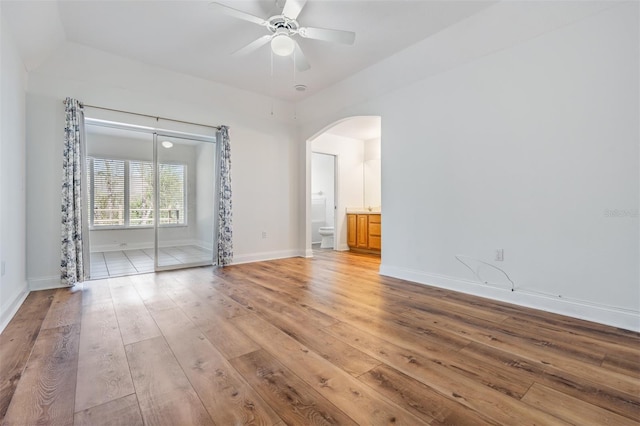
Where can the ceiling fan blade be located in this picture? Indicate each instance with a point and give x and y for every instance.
(292, 8)
(338, 36)
(237, 13)
(253, 46)
(299, 59)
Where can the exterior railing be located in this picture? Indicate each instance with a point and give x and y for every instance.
(137, 217)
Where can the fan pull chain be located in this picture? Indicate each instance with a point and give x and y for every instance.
(295, 109)
(271, 82)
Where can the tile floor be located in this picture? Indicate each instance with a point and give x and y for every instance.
(130, 262)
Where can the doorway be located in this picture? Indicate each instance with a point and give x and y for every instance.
(355, 143)
(323, 200)
(150, 199)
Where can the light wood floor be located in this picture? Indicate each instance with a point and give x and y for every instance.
(306, 341)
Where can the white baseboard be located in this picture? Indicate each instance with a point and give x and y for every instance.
(270, 255)
(45, 283)
(10, 308)
(626, 319)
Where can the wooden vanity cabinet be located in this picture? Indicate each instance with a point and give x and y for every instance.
(374, 231)
(352, 223)
(364, 231)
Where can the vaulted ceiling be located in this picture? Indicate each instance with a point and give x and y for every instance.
(191, 37)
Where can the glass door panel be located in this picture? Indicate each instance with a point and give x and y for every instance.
(185, 199)
(119, 179)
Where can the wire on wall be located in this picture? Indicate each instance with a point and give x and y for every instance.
(477, 274)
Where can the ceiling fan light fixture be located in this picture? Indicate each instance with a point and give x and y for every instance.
(282, 44)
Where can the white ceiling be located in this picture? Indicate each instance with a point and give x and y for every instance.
(191, 38)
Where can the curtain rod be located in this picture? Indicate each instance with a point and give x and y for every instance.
(150, 116)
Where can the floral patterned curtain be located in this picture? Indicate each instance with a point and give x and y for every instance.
(225, 231)
(73, 268)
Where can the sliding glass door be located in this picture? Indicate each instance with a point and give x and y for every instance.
(150, 198)
(185, 199)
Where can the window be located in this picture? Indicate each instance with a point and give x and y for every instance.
(121, 193)
(108, 192)
(140, 193)
(171, 194)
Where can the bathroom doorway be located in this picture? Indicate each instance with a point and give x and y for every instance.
(323, 200)
(355, 143)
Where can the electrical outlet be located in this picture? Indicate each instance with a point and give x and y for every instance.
(264, 235)
(499, 255)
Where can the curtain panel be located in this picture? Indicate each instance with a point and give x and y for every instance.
(73, 268)
(225, 229)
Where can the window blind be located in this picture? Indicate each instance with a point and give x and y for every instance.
(108, 192)
(141, 193)
(117, 187)
(172, 199)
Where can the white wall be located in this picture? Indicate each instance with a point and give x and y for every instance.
(264, 171)
(529, 144)
(372, 173)
(13, 283)
(350, 189)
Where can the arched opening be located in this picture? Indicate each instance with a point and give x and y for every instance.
(343, 170)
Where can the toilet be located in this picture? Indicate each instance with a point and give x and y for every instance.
(326, 232)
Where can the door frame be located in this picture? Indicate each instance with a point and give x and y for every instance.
(156, 132)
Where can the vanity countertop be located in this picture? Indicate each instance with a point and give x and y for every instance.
(363, 210)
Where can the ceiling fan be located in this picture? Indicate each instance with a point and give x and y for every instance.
(282, 29)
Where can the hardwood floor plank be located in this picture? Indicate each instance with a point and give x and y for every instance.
(572, 410)
(309, 334)
(353, 311)
(164, 393)
(224, 393)
(579, 386)
(65, 309)
(420, 399)
(119, 412)
(295, 401)
(296, 341)
(263, 299)
(96, 291)
(588, 343)
(221, 305)
(103, 371)
(134, 320)
(528, 340)
(529, 346)
(152, 288)
(225, 336)
(45, 392)
(471, 393)
(629, 366)
(17, 340)
(344, 391)
(211, 313)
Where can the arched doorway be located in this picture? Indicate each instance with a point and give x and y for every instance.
(355, 143)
